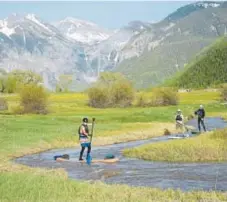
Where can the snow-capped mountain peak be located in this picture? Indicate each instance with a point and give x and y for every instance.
(83, 31)
(32, 17)
(78, 22)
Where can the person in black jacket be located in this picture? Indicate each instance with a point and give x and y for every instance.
(201, 115)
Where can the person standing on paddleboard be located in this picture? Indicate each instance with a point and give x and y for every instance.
(84, 138)
(179, 121)
(201, 115)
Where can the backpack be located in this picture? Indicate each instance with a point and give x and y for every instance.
(86, 128)
(179, 117)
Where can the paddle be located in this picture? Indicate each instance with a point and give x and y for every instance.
(89, 158)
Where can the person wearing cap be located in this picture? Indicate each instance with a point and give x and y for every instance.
(83, 132)
(179, 120)
(201, 114)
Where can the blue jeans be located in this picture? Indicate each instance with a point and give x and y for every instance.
(83, 146)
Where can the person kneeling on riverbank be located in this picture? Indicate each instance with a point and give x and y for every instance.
(179, 121)
(83, 132)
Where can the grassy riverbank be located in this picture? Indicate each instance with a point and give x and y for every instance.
(203, 148)
(29, 187)
(25, 134)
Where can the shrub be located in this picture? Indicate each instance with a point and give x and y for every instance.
(33, 99)
(3, 80)
(17, 109)
(121, 94)
(141, 100)
(3, 104)
(224, 92)
(144, 99)
(11, 84)
(112, 90)
(98, 97)
(164, 96)
(159, 97)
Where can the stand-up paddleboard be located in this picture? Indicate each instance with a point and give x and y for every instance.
(175, 137)
(109, 158)
(101, 161)
(179, 136)
(92, 161)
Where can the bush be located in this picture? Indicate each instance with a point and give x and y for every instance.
(17, 109)
(141, 100)
(224, 92)
(98, 97)
(144, 99)
(112, 90)
(164, 96)
(33, 99)
(159, 97)
(11, 84)
(3, 104)
(121, 94)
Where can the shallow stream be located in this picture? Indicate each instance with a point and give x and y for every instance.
(135, 172)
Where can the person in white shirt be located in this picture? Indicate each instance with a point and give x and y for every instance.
(179, 121)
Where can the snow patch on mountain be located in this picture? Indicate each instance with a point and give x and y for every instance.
(87, 37)
(208, 4)
(33, 18)
(5, 29)
(168, 27)
(78, 22)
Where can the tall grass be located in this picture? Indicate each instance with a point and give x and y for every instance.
(203, 148)
(29, 187)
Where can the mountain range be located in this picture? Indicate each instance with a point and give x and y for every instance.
(147, 53)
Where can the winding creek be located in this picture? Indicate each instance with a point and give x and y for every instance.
(135, 172)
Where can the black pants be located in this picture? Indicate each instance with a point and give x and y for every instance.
(82, 151)
(201, 121)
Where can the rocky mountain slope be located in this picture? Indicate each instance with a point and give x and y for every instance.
(26, 42)
(147, 53)
(170, 44)
(82, 50)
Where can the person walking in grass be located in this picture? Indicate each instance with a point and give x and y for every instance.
(179, 121)
(84, 138)
(201, 115)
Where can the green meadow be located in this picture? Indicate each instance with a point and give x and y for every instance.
(26, 134)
